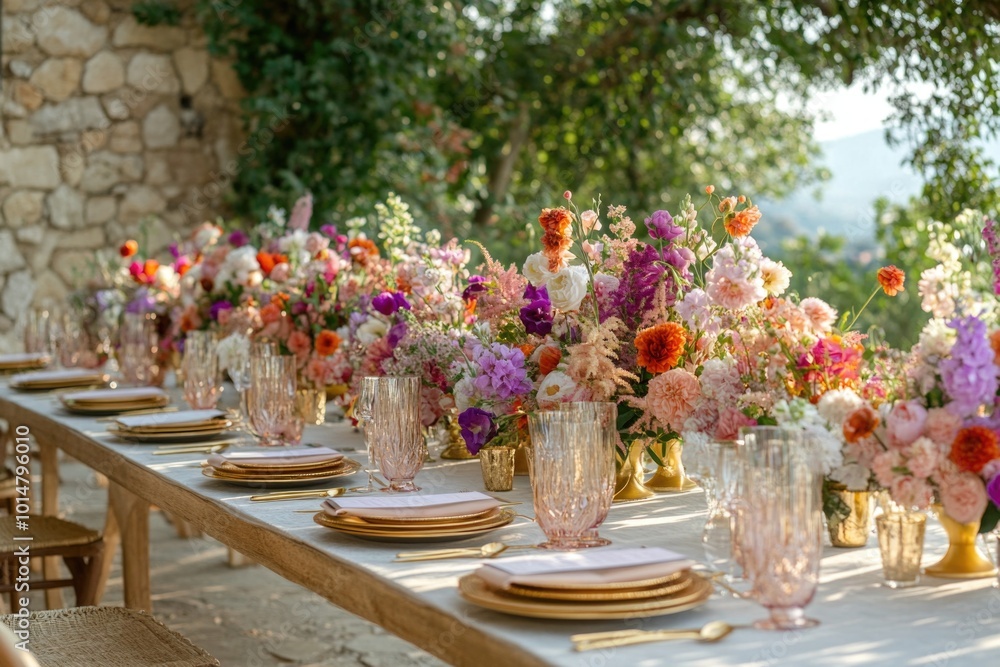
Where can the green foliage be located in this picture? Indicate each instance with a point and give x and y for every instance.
(156, 12)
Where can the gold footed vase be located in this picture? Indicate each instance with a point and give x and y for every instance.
(456, 449)
(963, 560)
(670, 477)
(629, 481)
(852, 532)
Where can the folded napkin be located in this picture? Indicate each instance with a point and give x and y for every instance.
(22, 358)
(564, 570)
(441, 505)
(171, 419)
(273, 458)
(68, 374)
(135, 394)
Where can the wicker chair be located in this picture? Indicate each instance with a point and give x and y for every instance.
(81, 549)
(103, 637)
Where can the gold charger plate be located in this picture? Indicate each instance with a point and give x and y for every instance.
(277, 473)
(64, 384)
(637, 593)
(112, 408)
(263, 467)
(272, 483)
(362, 523)
(478, 592)
(440, 534)
(396, 520)
(169, 437)
(214, 425)
(614, 586)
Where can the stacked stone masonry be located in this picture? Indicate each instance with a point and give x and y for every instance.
(105, 123)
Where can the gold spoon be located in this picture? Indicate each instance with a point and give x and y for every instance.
(709, 633)
(490, 550)
(300, 495)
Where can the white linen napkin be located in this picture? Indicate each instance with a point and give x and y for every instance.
(412, 507)
(115, 395)
(602, 566)
(274, 457)
(175, 419)
(66, 374)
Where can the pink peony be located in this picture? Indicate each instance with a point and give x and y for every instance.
(863, 451)
(731, 421)
(315, 243)
(821, 315)
(922, 457)
(964, 497)
(280, 272)
(912, 492)
(320, 371)
(882, 467)
(942, 426)
(731, 288)
(672, 396)
(905, 423)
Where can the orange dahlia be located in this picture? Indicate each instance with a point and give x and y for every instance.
(128, 248)
(974, 447)
(556, 220)
(269, 260)
(741, 223)
(660, 347)
(327, 342)
(362, 251)
(860, 424)
(891, 278)
(557, 223)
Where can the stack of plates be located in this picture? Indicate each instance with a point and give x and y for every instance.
(61, 379)
(279, 467)
(23, 361)
(184, 426)
(114, 401)
(431, 518)
(610, 584)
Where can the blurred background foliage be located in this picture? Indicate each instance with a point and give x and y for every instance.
(480, 112)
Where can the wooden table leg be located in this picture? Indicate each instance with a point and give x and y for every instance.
(49, 457)
(132, 516)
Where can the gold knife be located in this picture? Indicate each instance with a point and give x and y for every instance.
(300, 495)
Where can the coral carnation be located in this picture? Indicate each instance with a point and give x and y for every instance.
(974, 447)
(660, 347)
(891, 278)
(742, 222)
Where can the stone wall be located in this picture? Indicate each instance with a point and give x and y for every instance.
(105, 123)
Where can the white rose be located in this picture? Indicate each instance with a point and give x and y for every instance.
(372, 330)
(568, 287)
(536, 270)
(836, 404)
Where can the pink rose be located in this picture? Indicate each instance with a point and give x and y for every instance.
(922, 457)
(912, 492)
(964, 497)
(672, 396)
(320, 371)
(300, 345)
(863, 451)
(315, 243)
(882, 467)
(942, 426)
(905, 423)
(731, 421)
(280, 272)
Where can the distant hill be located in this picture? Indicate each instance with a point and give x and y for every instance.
(863, 168)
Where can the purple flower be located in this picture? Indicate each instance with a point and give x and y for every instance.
(661, 226)
(328, 230)
(477, 285)
(175, 250)
(477, 428)
(992, 488)
(238, 238)
(537, 315)
(396, 334)
(640, 275)
(969, 377)
(143, 302)
(502, 373)
(300, 308)
(388, 303)
(218, 307)
(532, 293)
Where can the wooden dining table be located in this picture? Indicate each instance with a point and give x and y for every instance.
(934, 624)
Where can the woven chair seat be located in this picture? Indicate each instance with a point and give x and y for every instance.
(108, 637)
(47, 532)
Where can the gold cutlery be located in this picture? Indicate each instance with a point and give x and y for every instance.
(490, 550)
(300, 495)
(708, 633)
(207, 447)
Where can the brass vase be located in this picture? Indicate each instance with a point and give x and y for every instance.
(963, 560)
(852, 532)
(456, 449)
(670, 477)
(630, 479)
(497, 464)
(310, 405)
(901, 545)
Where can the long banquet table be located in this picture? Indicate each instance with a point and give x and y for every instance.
(937, 623)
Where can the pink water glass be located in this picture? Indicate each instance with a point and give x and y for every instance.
(393, 430)
(138, 346)
(573, 472)
(271, 400)
(780, 513)
(202, 377)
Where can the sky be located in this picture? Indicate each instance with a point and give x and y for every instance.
(852, 111)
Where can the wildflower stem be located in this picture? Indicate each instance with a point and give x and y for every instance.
(858, 314)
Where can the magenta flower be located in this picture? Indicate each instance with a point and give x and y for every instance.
(388, 303)
(661, 226)
(477, 285)
(993, 490)
(238, 238)
(218, 307)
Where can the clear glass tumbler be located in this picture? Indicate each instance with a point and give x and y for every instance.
(394, 432)
(272, 398)
(202, 377)
(901, 544)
